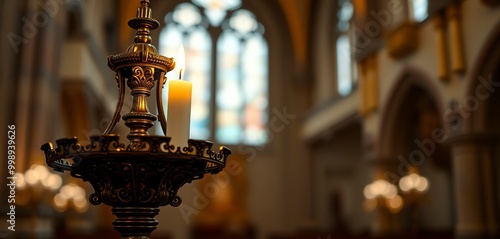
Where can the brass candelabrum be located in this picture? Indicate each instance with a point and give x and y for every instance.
(138, 177)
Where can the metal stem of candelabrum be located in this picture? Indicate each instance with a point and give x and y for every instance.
(138, 177)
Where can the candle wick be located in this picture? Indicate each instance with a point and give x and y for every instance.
(180, 74)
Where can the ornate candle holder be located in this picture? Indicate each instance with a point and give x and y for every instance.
(139, 177)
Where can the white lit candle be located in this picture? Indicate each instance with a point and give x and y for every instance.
(179, 105)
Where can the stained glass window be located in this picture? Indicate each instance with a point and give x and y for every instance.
(230, 88)
(216, 10)
(346, 76)
(419, 9)
(185, 27)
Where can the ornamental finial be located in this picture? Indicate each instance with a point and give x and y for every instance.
(143, 23)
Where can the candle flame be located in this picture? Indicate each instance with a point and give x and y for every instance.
(181, 61)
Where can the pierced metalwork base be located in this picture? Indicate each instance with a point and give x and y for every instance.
(135, 179)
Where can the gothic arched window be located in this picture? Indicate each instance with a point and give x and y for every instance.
(419, 10)
(227, 61)
(346, 72)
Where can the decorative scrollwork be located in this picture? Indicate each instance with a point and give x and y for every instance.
(124, 195)
(161, 62)
(145, 172)
(94, 199)
(146, 195)
(142, 77)
(176, 201)
(138, 146)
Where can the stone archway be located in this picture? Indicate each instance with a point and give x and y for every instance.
(411, 84)
(411, 139)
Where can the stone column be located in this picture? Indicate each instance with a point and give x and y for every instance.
(45, 101)
(26, 53)
(476, 206)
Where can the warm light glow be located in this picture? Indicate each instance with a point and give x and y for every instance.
(40, 174)
(60, 201)
(80, 192)
(180, 62)
(391, 192)
(80, 203)
(31, 177)
(368, 192)
(53, 181)
(382, 191)
(66, 191)
(370, 205)
(20, 181)
(414, 182)
(380, 188)
(395, 204)
(41, 171)
(423, 185)
(74, 193)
